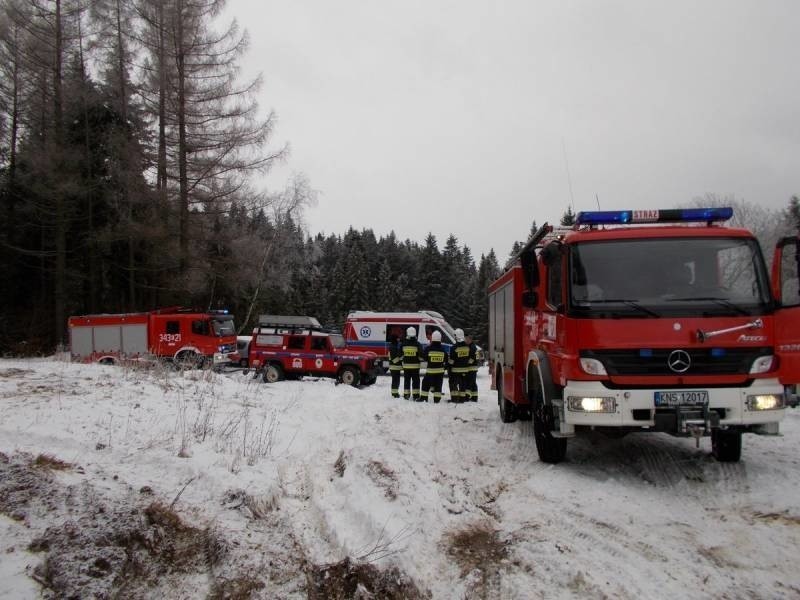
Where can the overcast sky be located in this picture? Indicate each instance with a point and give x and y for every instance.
(462, 116)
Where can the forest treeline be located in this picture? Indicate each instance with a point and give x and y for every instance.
(131, 160)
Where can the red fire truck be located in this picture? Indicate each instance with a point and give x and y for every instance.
(186, 336)
(657, 320)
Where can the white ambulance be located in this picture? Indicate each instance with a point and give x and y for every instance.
(368, 330)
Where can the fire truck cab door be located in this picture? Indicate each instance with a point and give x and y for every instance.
(786, 289)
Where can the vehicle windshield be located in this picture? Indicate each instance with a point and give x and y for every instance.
(668, 276)
(223, 326)
(450, 332)
(337, 340)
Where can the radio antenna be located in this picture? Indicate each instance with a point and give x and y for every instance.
(596, 197)
(569, 178)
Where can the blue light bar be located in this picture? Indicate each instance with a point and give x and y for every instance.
(673, 215)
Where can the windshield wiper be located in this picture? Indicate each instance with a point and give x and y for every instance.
(721, 301)
(624, 301)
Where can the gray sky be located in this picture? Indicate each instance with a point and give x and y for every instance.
(453, 116)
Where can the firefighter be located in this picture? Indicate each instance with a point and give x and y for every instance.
(471, 383)
(412, 356)
(437, 360)
(395, 364)
(459, 366)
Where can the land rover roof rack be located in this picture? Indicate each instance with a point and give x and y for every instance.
(289, 321)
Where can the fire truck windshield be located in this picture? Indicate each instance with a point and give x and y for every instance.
(668, 276)
(337, 340)
(223, 326)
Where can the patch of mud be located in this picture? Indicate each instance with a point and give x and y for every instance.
(14, 372)
(349, 579)
(479, 551)
(383, 477)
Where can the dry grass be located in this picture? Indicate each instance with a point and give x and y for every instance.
(48, 462)
(239, 588)
(340, 465)
(348, 579)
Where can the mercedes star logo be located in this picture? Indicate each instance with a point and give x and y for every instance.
(679, 361)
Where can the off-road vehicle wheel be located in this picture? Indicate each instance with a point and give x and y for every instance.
(349, 376)
(273, 373)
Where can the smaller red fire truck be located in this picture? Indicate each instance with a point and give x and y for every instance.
(653, 320)
(186, 336)
(290, 346)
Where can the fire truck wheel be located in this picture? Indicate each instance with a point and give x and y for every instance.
(349, 376)
(273, 373)
(726, 445)
(508, 412)
(550, 449)
(189, 360)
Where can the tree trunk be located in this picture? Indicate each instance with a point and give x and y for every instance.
(60, 275)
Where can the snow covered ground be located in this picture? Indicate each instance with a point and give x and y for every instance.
(190, 485)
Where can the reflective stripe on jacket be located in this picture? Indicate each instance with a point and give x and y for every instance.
(436, 358)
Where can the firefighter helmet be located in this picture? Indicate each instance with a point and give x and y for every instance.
(436, 336)
(411, 332)
(459, 335)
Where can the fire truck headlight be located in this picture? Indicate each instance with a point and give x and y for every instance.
(762, 364)
(591, 404)
(765, 402)
(592, 366)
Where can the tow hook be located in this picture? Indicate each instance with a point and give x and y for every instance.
(696, 431)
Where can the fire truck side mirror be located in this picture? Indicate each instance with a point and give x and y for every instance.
(530, 299)
(530, 268)
(551, 252)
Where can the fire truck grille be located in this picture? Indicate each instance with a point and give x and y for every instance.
(702, 361)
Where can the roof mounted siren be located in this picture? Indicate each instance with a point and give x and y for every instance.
(671, 215)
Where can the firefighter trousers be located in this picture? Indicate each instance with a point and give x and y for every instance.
(471, 386)
(411, 383)
(395, 373)
(457, 386)
(432, 385)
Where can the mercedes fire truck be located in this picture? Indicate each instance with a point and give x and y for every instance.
(654, 320)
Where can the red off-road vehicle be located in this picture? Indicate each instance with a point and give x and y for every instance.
(284, 347)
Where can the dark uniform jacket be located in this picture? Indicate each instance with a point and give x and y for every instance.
(461, 358)
(395, 356)
(412, 354)
(436, 357)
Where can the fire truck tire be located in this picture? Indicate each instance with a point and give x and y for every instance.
(540, 390)
(188, 359)
(349, 376)
(273, 373)
(508, 411)
(726, 445)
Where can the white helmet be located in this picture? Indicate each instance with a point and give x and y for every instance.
(459, 335)
(436, 336)
(411, 332)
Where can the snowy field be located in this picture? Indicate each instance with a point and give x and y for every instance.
(161, 484)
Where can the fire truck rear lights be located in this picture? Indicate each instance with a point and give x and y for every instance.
(673, 215)
(591, 404)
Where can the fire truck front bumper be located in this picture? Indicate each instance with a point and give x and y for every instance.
(757, 408)
(224, 358)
